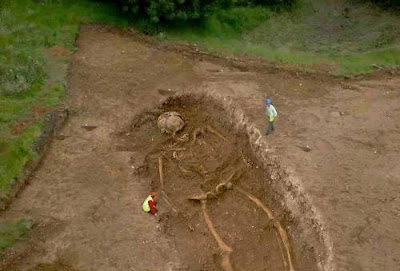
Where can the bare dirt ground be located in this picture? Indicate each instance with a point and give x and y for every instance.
(341, 139)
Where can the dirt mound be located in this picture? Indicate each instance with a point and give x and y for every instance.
(216, 202)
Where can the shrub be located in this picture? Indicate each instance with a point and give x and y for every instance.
(184, 10)
(388, 3)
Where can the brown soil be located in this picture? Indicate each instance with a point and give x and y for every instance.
(53, 267)
(37, 112)
(194, 165)
(330, 172)
(58, 265)
(19, 127)
(59, 51)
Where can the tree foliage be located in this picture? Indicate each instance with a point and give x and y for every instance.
(184, 10)
(388, 3)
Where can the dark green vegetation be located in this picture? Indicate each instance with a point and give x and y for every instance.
(388, 3)
(11, 232)
(346, 37)
(36, 38)
(156, 11)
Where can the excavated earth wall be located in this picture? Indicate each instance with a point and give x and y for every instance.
(301, 219)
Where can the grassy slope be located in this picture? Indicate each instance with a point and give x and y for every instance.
(31, 80)
(349, 36)
(12, 231)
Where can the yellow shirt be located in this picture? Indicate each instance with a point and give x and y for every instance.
(271, 112)
(146, 206)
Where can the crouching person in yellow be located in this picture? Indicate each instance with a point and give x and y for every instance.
(149, 204)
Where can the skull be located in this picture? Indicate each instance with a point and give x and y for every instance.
(170, 122)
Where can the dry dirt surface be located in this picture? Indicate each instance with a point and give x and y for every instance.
(219, 206)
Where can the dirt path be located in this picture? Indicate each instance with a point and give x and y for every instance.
(84, 195)
(341, 139)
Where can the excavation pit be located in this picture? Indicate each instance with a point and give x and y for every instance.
(218, 202)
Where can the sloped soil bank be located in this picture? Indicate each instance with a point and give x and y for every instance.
(53, 122)
(223, 207)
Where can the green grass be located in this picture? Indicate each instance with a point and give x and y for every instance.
(18, 152)
(30, 77)
(350, 37)
(11, 232)
(364, 62)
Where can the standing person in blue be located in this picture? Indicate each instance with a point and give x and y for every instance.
(272, 114)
